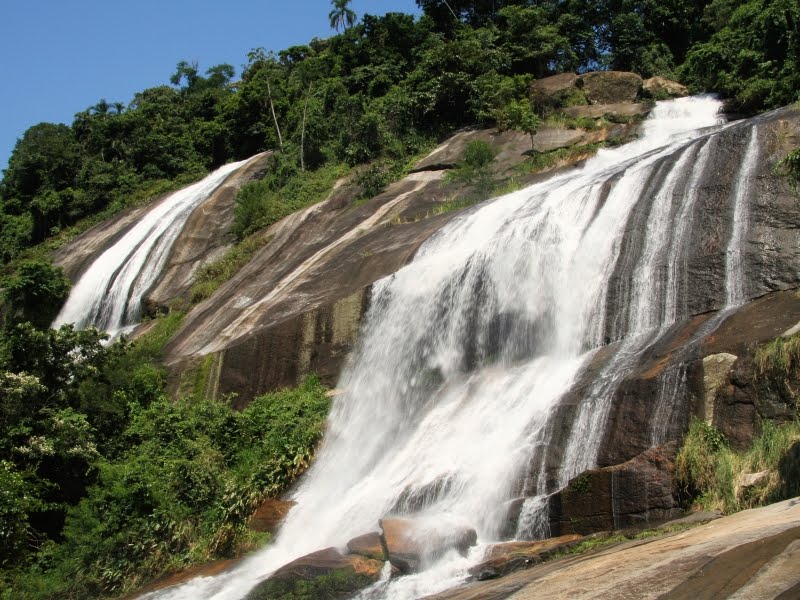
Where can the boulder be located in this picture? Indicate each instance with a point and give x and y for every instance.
(502, 559)
(611, 87)
(270, 514)
(611, 111)
(368, 545)
(323, 575)
(662, 88)
(749, 480)
(556, 84)
(716, 380)
(409, 543)
(557, 91)
(636, 493)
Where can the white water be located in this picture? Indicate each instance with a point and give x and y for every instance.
(466, 352)
(109, 294)
(734, 279)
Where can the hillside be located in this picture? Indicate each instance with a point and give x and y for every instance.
(550, 303)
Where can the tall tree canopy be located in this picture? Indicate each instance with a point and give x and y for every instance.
(341, 15)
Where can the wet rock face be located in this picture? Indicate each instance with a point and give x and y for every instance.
(270, 514)
(409, 543)
(369, 545)
(505, 558)
(296, 307)
(633, 494)
(204, 237)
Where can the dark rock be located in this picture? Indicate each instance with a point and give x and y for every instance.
(511, 510)
(409, 543)
(634, 494)
(611, 87)
(505, 558)
(368, 545)
(450, 153)
(323, 575)
(552, 93)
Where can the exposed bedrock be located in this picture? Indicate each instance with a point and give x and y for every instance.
(294, 308)
(751, 554)
(325, 574)
(635, 493)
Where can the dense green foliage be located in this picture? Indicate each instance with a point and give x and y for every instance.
(105, 482)
(753, 54)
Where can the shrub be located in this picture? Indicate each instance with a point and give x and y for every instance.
(182, 493)
(259, 204)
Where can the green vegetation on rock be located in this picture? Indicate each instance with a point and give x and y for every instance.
(212, 275)
(259, 204)
(712, 474)
(340, 583)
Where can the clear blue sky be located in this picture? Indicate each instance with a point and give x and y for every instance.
(58, 57)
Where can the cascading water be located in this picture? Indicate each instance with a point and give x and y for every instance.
(466, 352)
(109, 294)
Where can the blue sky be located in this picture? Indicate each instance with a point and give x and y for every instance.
(58, 57)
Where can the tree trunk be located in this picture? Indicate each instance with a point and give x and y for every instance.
(274, 118)
(303, 130)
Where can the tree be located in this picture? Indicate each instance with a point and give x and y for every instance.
(36, 292)
(754, 56)
(519, 115)
(341, 17)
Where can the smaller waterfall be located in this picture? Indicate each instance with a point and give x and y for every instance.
(672, 385)
(734, 272)
(109, 294)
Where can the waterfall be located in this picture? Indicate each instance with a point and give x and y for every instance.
(449, 399)
(109, 294)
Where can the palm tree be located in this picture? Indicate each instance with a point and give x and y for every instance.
(341, 16)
